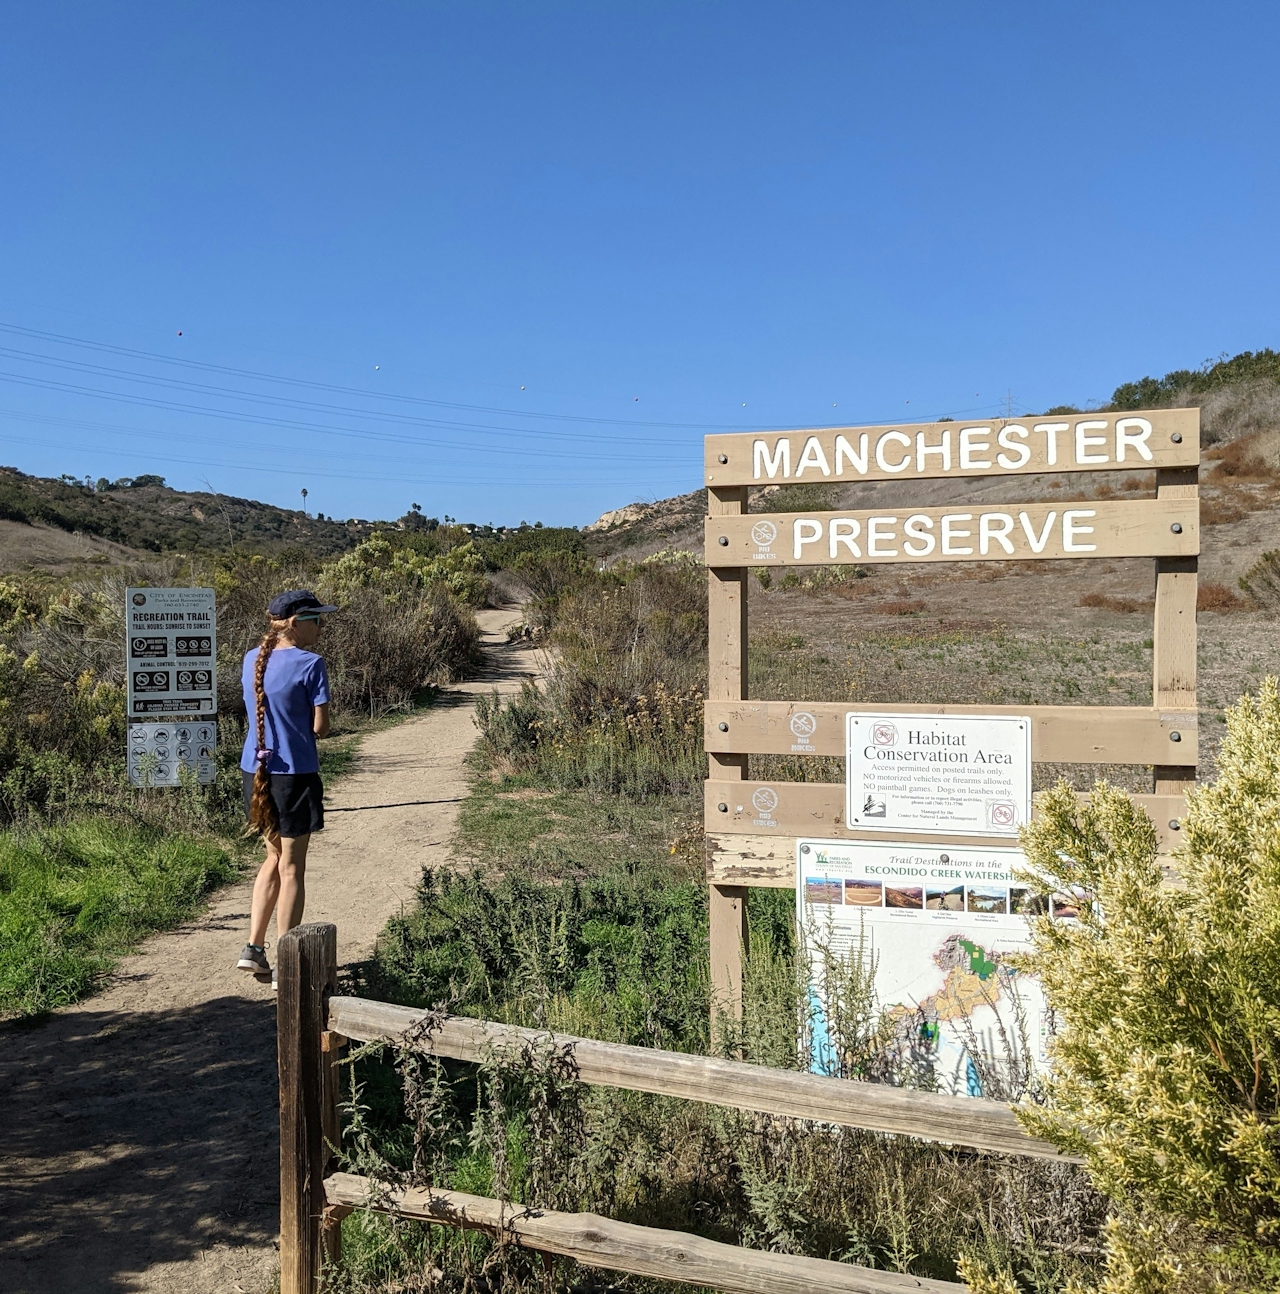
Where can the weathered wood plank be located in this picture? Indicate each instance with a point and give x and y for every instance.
(306, 970)
(795, 809)
(1086, 442)
(964, 533)
(727, 681)
(597, 1241)
(1060, 734)
(955, 1120)
(769, 862)
(1174, 632)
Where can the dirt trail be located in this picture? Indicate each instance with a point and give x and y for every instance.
(139, 1150)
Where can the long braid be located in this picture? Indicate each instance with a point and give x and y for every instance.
(262, 809)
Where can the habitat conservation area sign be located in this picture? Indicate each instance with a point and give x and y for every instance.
(956, 775)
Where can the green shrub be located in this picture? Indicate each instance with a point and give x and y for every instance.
(621, 956)
(1261, 582)
(75, 896)
(1151, 392)
(1166, 1067)
(399, 571)
(621, 706)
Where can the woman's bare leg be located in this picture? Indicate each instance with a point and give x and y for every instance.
(266, 890)
(293, 890)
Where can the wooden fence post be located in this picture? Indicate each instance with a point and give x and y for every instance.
(306, 972)
(727, 681)
(1174, 631)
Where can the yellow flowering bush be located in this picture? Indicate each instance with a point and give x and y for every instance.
(1166, 1063)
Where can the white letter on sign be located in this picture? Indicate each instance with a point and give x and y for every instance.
(994, 525)
(1070, 530)
(942, 449)
(1019, 447)
(1138, 439)
(918, 527)
(781, 458)
(975, 440)
(845, 450)
(1050, 432)
(899, 438)
(949, 532)
(812, 456)
(844, 530)
(805, 532)
(1085, 442)
(1037, 542)
(875, 535)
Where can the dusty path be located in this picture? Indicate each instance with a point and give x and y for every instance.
(139, 1148)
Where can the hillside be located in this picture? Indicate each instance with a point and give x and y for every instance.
(143, 515)
(1239, 402)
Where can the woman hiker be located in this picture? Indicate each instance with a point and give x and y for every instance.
(286, 689)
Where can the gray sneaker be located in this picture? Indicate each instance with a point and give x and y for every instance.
(254, 959)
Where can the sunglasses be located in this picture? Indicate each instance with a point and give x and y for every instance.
(310, 616)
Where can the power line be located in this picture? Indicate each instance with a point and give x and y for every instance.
(154, 357)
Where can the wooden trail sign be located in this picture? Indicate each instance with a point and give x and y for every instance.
(1086, 442)
(752, 827)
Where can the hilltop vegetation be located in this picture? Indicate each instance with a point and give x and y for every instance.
(1184, 386)
(144, 513)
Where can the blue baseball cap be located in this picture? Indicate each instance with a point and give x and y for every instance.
(292, 601)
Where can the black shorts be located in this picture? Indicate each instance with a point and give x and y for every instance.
(299, 801)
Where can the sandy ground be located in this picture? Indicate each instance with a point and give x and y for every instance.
(140, 1140)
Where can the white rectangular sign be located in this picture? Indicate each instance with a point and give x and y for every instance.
(955, 775)
(171, 652)
(160, 751)
(936, 924)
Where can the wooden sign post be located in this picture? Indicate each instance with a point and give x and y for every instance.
(752, 827)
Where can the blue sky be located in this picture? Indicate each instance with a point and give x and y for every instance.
(542, 248)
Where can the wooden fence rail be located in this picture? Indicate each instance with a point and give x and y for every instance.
(933, 1116)
(595, 1241)
(313, 1023)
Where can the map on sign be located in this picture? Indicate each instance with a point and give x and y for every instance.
(955, 775)
(937, 923)
(171, 653)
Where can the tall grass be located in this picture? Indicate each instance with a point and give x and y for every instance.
(621, 708)
(74, 896)
(622, 957)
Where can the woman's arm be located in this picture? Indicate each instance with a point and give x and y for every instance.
(320, 720)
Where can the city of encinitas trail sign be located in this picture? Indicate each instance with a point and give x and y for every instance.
(752, 828)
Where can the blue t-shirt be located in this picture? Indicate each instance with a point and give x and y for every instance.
(295, 682)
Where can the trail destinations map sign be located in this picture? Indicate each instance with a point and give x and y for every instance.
(956, 775)
(936, 923)
(172, 651)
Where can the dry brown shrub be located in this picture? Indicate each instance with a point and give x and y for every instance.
(1107, 602)
(1222, 510)
(1241, 461)
(1217, 597)
(900, 607)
